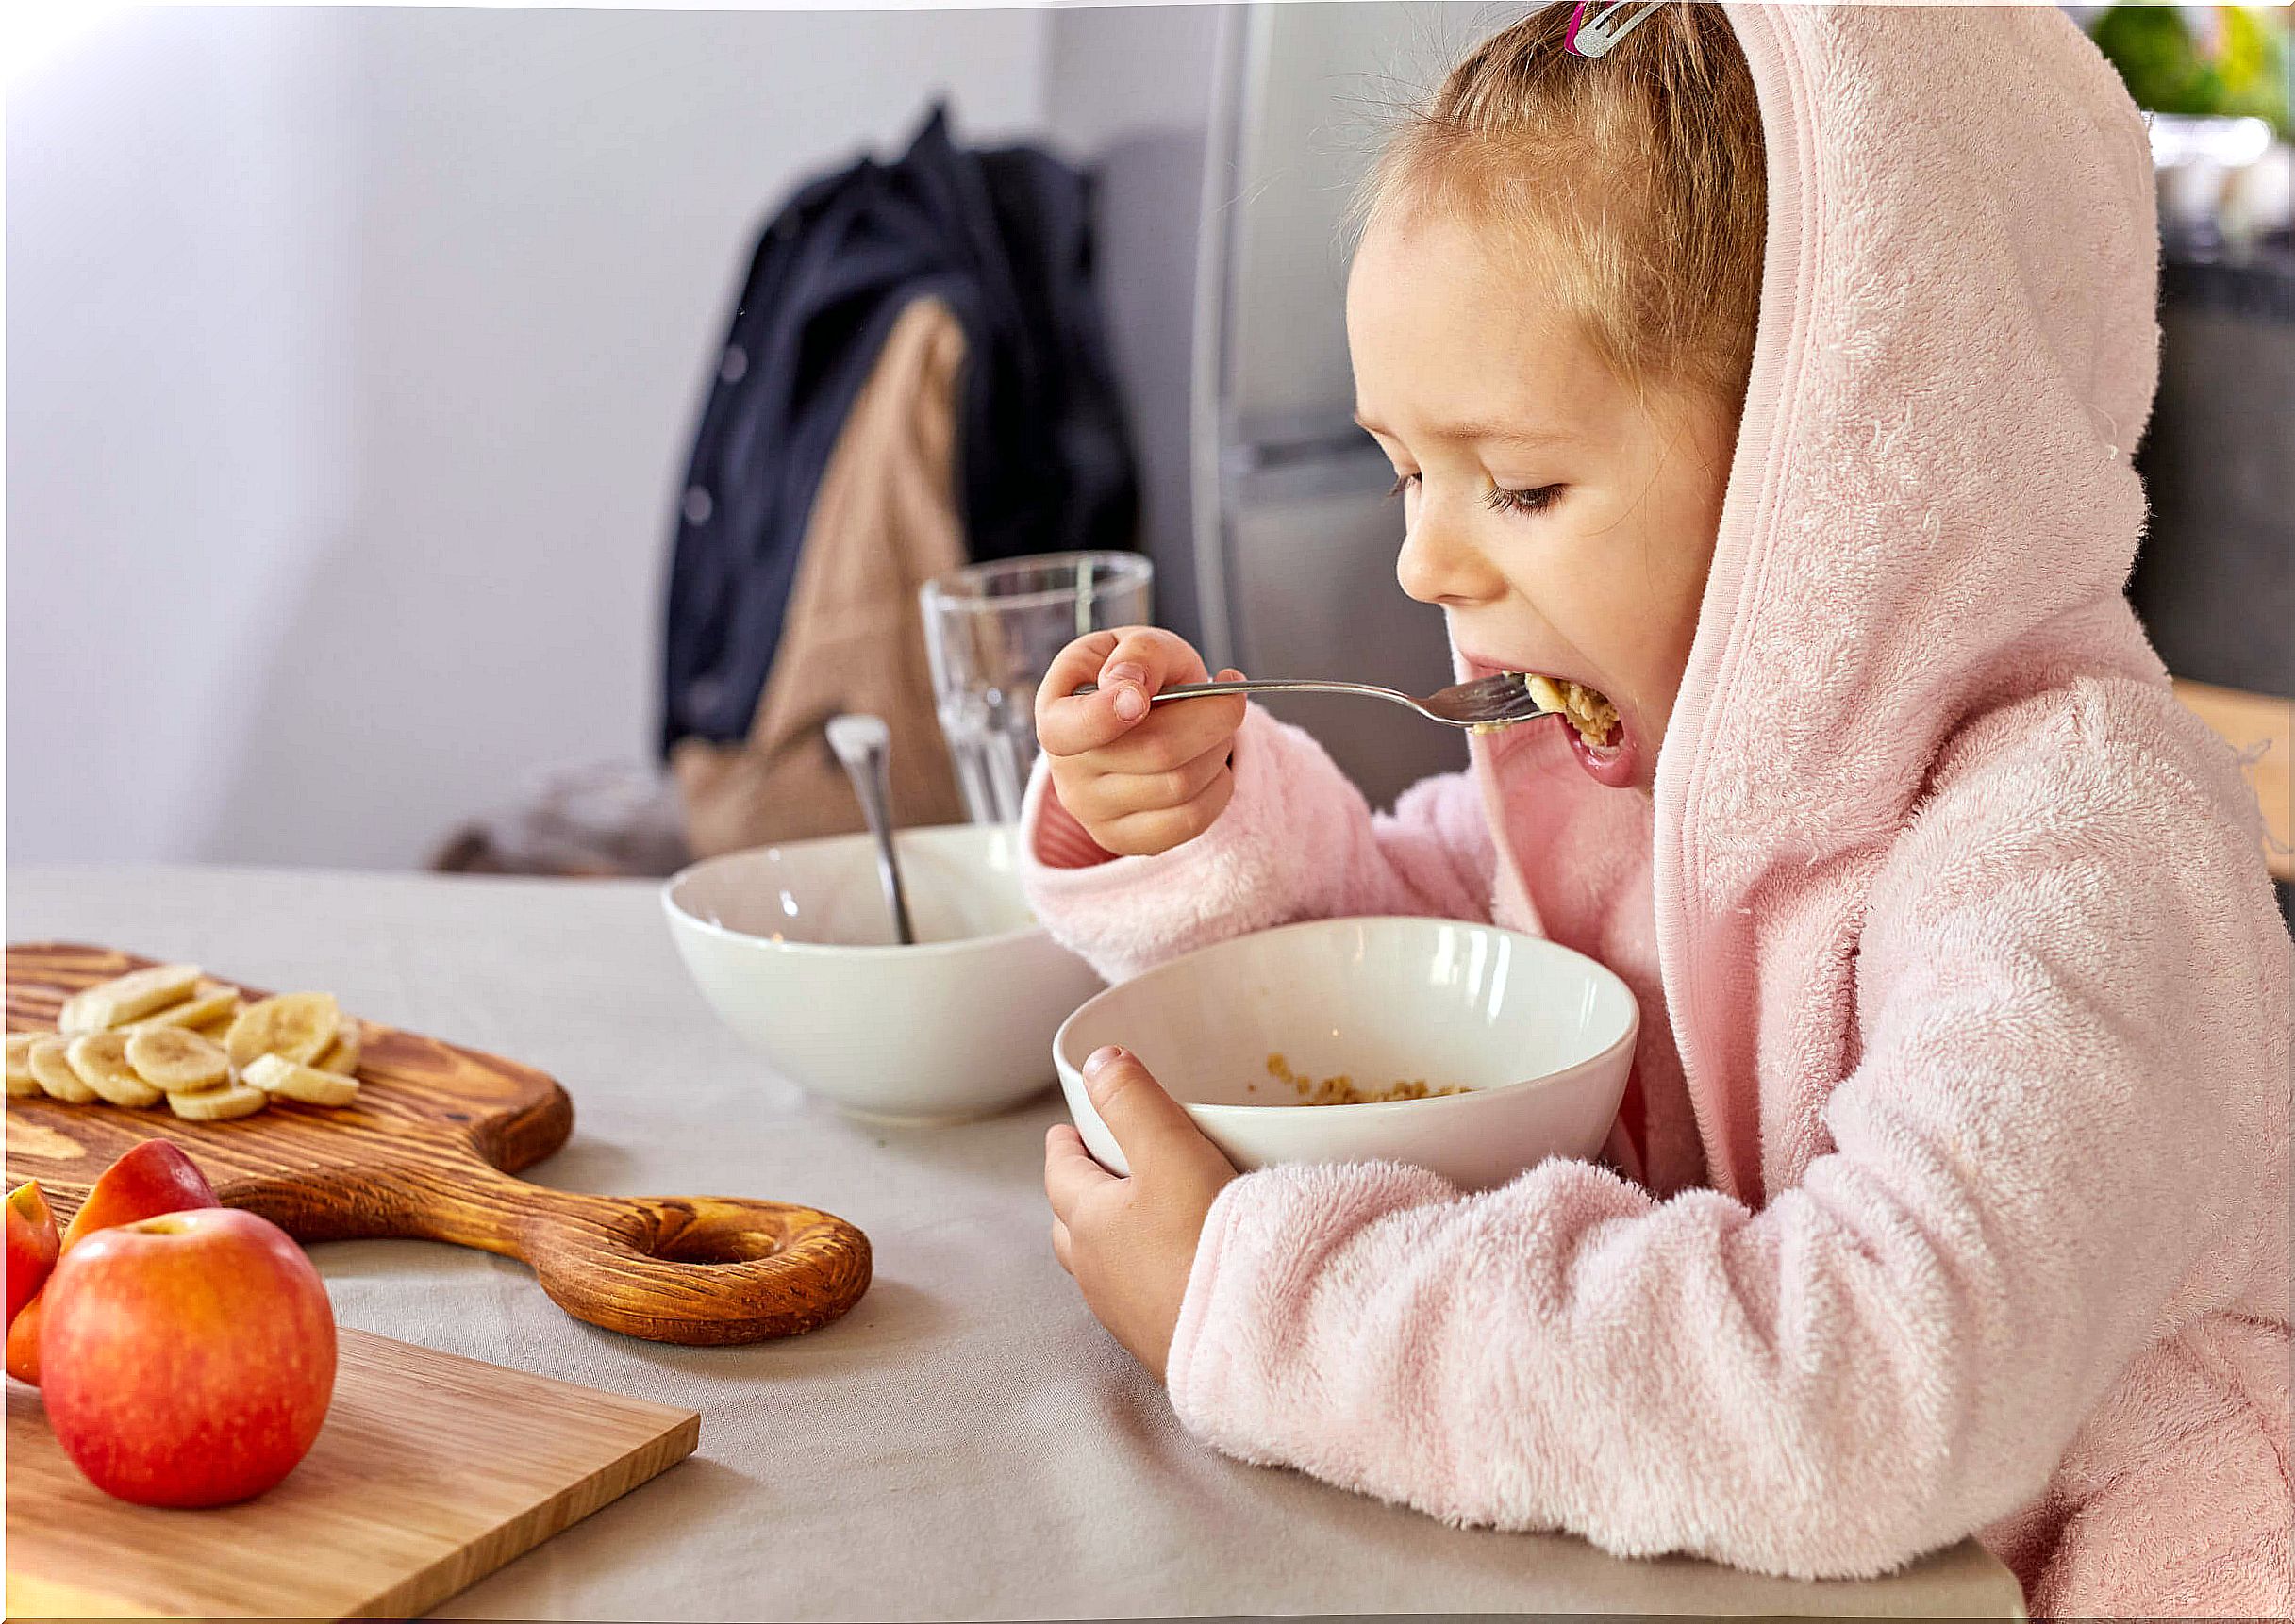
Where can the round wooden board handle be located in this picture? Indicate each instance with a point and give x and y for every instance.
(703, 1270)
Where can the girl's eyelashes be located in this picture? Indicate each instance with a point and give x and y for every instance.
(1500, 499)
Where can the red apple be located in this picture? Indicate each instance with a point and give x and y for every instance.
(147, 1180)
(32, 1245)
(190, 1358)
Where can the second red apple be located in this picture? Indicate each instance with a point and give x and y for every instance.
(32, 1245)
(147, 1180)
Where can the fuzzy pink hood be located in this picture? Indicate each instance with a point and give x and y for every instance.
(1931, 514)
(1950, 1194)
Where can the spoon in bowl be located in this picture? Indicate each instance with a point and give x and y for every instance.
(1491, 702)
(864, 744)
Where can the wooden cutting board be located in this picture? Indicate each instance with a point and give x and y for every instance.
(426, 1152)
(431, 1473)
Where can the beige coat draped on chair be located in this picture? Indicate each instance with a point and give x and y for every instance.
(884, 522)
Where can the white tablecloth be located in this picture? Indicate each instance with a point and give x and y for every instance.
(967, 1443)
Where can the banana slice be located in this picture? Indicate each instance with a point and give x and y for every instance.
(211, 1005)
(54, 1073)
(341, 1055)
(20, 1079)
(218, 1031)
(295, 1026)
(275, 1076)
(121, 999)
(177, 1062)
(219, 1104)
(101, 1060)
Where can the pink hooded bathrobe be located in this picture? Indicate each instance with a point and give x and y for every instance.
(1949, 1192)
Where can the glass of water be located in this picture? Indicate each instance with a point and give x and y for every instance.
(993, 631)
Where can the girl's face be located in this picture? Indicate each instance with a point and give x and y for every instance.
(1564, 522)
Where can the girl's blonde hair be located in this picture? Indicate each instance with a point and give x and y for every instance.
(1635, 181)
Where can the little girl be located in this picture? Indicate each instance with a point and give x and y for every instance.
(1772, 380)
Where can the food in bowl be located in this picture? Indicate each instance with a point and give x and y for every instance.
(1342, 1089)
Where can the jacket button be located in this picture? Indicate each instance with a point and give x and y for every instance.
(697, 505)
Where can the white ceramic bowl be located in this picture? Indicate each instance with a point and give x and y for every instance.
(793, 946)
(1540, 1036)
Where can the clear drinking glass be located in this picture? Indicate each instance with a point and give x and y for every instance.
(993, 631)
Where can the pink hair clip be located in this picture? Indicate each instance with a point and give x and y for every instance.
(1595, 36)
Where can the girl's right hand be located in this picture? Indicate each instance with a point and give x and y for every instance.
(1139, 778)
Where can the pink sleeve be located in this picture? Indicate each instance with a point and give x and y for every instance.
(1296, 842)
(2066, 1096)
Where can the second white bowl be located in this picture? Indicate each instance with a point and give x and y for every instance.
(793, 946)
(1541, 1037)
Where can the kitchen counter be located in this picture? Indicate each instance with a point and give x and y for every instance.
(967, 1443)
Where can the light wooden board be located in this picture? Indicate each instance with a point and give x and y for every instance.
(431, 1473)
(425, 1152)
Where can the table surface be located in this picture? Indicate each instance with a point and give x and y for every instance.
(967, 1443)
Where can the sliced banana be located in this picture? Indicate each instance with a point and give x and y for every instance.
(295, 1026)
(124, 998)
(219, 1104)
(343, 1055)
(218, 1031)
(138, 1038)
(273, 1074)
(46, 1061)
(20, 1079)
(209, 1004)
(177, 1062)
(101, 1060)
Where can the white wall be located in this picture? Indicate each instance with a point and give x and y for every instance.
(352, 359)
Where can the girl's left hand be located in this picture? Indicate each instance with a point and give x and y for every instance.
(1131, 1241)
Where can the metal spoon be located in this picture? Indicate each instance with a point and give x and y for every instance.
(864, 744)
(1498, 701)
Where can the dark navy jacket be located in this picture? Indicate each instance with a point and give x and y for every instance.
(1004, 239)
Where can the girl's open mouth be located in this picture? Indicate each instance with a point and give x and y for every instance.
(1597, 733)
(1589, 712)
